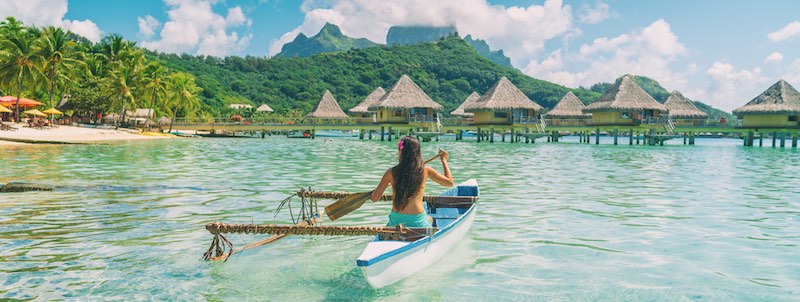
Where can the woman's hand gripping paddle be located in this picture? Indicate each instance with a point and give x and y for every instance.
(352, 202)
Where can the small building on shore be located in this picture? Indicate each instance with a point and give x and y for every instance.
(504, 104)
(626, 104)
(327, 108)
(240, 106)
(777, 107)
(140, 116)
(568, 112)
(405, 103)
(264, 108)
(683, 111)
(361, 111)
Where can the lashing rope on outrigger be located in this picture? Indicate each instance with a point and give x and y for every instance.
(220, 244)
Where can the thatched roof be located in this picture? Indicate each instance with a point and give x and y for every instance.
(781, 98)
(371, 99)
(470, 99)
(163, 120)
(405, 95)
(625, 95)
(327, 107)
(681, 107)
(568, 107)
(141, 113)
(264, 108)
(503, 96)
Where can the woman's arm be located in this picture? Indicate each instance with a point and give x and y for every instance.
(386, 181)
(446, 179)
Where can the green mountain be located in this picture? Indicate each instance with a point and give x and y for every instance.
(448, 70)
(483, 49)
(661, 94)
(329, 39)
(408, 35)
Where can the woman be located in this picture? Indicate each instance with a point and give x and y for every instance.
(407, 179)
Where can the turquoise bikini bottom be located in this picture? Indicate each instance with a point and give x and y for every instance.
(409, 220)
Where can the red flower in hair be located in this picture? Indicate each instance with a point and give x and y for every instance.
(400, 145)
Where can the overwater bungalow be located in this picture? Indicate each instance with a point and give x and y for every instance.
(683, 111)
(405, 103)
(327, 108)
(568, 112)
(777, 107)
(626, 104)
(460, 110)
(504, 104)
(361, 111)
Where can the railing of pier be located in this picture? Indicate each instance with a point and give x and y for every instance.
(226, 121)
(567, 121)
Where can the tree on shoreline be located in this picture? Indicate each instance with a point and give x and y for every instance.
(184, 94)
(62, 59)
(19, 59)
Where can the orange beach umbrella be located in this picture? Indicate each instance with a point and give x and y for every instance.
(11, 101)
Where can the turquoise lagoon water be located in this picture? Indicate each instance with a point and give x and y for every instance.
(556, 221)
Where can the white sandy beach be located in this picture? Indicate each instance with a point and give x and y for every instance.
(71, 134)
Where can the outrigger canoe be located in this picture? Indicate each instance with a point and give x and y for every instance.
(385, 261)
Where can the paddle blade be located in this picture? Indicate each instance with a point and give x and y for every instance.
(346, 205)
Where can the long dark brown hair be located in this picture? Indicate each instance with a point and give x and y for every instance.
(409, 173)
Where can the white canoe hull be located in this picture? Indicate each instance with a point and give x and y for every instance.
(386, 262)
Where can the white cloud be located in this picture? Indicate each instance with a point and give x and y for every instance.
(774, 57)
(594, 15)
(791, 73)
(520, 31)
(730, 88)
(787, 32)
(147, 26)
(85, 28)
(193, 26)
(49, 13)
(646, 52)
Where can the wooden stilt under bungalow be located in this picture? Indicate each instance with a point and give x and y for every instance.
(625, 104)
(361, 111)
(568, 112)
(778, 107)
(683, 111)
(327, 109)
(406, 103)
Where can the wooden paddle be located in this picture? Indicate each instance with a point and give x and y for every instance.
(352, 202)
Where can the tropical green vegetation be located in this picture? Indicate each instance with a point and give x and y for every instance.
(114, 75)
(448, 70)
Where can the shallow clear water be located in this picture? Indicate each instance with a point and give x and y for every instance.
(556, 221)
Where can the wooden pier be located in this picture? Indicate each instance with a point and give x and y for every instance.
(647, 134)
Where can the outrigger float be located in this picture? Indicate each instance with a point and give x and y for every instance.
(395, 253)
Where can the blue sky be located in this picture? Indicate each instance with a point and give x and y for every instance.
(721, 52)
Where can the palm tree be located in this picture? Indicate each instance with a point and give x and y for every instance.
(155, 87)
(123, 79)
(184, 93)
(19, 62)
(11, 27)
(62, 58)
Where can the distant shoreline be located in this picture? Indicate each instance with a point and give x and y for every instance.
(72, 135)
